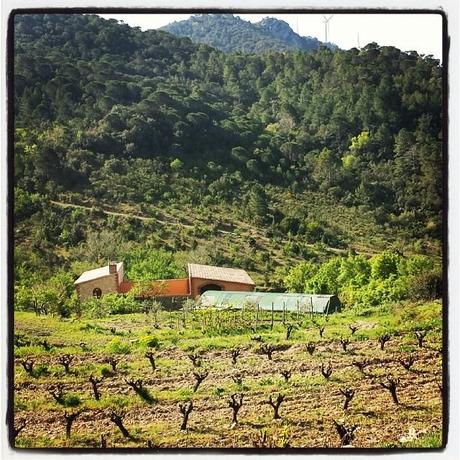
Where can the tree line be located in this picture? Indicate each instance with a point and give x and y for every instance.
(108, 113)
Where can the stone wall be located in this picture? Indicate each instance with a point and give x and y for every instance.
(106, 284)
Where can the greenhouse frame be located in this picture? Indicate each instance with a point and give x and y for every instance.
(271, 301)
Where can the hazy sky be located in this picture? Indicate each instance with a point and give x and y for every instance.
(419, 32)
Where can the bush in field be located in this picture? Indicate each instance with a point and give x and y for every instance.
(289, 329)
(150, 306)
(150, 342)
(113, 362)
(28, 365)
(67, 400)
(116, 304)
(407, 363)
(320, 328)
(383, 339)
(118, 346)
(353, 328)
(310, 347)
(94, 308)
(106, 372)
(195, 358)
(71, 400)
(361, 365)
(326, 370)
(425, 286)
(420, 335)
(286, 374)
(276, 439)
(110, 304)
(66, 361)
(344, 343)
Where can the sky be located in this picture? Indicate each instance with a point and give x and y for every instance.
(419, 32)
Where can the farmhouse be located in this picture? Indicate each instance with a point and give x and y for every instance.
(201, 278)
(100, 281)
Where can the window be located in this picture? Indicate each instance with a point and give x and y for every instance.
(97, 293)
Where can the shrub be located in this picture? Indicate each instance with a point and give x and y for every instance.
(41, 369)
(298, 275)
(63, 310)
(94, 308)
(150, 342)
(116, 304)
(106, 372)
(118, 346)
(385, 264)
(425, 286)
(71, 400)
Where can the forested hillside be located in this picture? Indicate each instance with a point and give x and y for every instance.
(230, 33)
(179, 152)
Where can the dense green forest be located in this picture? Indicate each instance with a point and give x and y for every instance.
(142, 146)
(230, 33)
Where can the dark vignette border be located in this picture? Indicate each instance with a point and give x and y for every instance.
(10, 230)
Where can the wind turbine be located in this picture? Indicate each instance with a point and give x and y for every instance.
(326, 26)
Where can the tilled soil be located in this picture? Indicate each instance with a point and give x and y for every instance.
(311, 402)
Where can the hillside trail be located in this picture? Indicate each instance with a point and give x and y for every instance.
(258, 235)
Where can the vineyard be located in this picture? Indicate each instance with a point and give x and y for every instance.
(368, 378)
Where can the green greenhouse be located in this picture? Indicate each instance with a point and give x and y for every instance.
(272, 301)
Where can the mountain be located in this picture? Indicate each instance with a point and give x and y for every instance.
(230, 33)
(248, 160)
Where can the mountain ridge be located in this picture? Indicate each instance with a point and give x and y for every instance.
(230, 33)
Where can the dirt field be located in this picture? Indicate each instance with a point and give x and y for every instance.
(312, 402)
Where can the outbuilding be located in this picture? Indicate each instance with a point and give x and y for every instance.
(202, 278)
(101, 281)
(276, 301)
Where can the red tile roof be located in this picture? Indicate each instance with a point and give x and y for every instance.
(234, 275)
